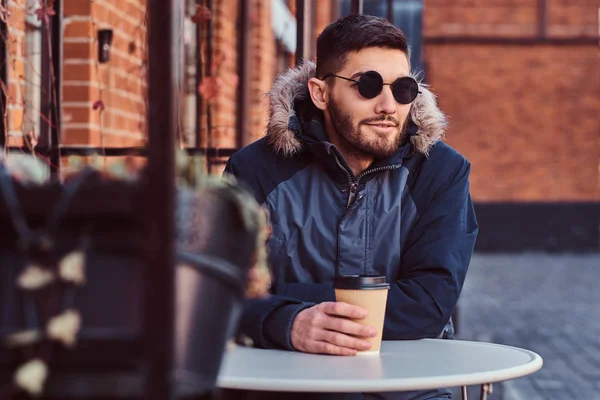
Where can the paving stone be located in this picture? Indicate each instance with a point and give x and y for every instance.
(547, 303)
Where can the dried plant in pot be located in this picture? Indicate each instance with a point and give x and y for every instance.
(70, 279)
(71, 302)
(221, 260)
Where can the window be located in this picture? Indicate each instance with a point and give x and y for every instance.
(408, 16)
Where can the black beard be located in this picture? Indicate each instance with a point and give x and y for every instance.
(354, 142)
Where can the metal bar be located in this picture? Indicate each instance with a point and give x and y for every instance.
(510, 41)
(209, 72)
(199, 76)
(245, 73)
(300, 30)
(486, 389)
(335, 9)
(390, 10)
(46, 103)
(118, 151)
(37, 201)
(310, 31)
(56, 85)
(542, 18)
(164, 20)
(463, 393)
(4, 81)
(356, 7)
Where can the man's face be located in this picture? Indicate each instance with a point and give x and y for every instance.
(368, 127)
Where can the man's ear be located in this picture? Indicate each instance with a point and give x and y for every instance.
(318, 93)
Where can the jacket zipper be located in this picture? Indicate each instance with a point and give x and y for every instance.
(353, 183)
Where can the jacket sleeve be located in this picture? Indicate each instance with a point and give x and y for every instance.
(434, 263)
(268, 321)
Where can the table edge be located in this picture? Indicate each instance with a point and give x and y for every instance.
(387, 385)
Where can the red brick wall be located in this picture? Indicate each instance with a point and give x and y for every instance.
(223, 107)
(513, 18)
(567, 18)
(323, 17)
(118, 88)
(263, 66)
(16, 61)
(119, 84)
(525, 115)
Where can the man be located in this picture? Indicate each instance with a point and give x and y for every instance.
(356, 180)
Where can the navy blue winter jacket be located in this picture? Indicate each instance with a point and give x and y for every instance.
(408, 217)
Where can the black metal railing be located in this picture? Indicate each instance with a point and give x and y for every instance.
(84, 151)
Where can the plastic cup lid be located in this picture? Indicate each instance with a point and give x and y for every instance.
(361, 282)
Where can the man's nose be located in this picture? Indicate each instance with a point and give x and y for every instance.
(386, 104)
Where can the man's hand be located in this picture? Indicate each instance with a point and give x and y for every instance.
(326, 329)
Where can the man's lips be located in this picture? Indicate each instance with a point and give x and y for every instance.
(383, 125)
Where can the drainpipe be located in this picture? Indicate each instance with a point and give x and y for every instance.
(542, 18)
(356, 7)
(300, 30)
(199, 76)
(390, 11)
(4, 80)
(244, 73)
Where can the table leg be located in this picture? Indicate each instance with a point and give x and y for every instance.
(463, 392)
(485, 390)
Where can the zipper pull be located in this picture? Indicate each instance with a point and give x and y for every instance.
(352, 194)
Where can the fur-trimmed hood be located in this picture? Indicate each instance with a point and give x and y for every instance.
(292, 86)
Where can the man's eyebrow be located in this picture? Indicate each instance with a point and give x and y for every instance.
(357, 74)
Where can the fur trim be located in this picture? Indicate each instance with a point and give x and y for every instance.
(292, 86)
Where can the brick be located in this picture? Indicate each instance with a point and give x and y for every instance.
(100, 11)
(77, 7)
(121, 141)
(16, 68)
(78, 50)
(489, 18)
(80, 93)
(76, 72)
(82, 115)
(80, 136)
(15, 120)
(15, 140)
(539, 104)
(567, 19)
(78, 29)
(17, 17)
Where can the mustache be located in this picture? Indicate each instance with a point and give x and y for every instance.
(380, 119)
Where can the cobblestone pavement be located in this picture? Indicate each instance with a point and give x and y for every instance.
(546, 303)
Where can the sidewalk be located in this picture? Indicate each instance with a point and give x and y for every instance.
(546, 303)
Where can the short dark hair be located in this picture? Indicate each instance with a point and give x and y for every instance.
(354, 33)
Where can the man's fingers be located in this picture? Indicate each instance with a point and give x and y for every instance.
(328, 348)
(342, 340)
(316, 331)
(349, 327)
(335, 318)
(342, 309)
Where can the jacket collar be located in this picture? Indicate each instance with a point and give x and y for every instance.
(293, 119)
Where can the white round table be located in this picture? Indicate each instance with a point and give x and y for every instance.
(401, 365)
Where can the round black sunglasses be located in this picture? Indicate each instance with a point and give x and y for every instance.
(370, 84)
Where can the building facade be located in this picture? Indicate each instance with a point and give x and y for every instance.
(518, 78)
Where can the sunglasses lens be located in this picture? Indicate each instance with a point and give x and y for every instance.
(370, 84)
(405, 90)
